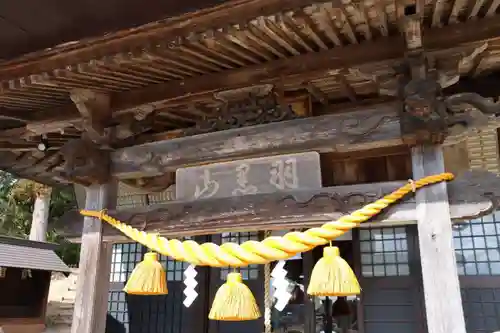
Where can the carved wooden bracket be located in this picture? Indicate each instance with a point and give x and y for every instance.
(422, 116)
(426, 116)
(95, 110)
(471, 195)
(132, 125)
(85, 162)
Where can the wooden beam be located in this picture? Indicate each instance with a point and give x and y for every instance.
(373, 127)
(40, 122)
(443, 302)
(312, 64)
(58, 119)
(45, 121)
(18, 115)
(30, 146)
(468, 195)
(89, 315)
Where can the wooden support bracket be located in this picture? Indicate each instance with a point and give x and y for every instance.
(95, 110)
(375, 126)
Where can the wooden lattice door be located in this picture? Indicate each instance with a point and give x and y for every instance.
(388, 267)
(152, 314)
(477, 249)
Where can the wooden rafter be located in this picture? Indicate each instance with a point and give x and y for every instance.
(155, 64)
(168, 30)
(310, 64)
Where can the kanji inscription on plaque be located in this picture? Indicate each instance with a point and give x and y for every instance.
(249, 176)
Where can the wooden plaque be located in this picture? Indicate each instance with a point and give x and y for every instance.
(249, 176)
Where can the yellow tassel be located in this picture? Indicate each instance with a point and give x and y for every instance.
(332, 276)
(147, 278)
(234, 301)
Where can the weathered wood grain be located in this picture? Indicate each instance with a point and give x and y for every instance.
(310, 65)
(92, 287)
(443, 303)
(250, 176)
(471, 195)
(300, 68)
(374, 127)
(169, 29)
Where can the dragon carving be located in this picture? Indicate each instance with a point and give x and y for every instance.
(426, 114)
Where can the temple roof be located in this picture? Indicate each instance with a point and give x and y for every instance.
(341, 54)
(21, 253)
(30, 25)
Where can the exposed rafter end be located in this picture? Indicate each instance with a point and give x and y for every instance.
(411, 27)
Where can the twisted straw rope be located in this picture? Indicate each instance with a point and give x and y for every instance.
(267, 296)
(270, 249)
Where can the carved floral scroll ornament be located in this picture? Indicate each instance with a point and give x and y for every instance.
(426, 114)
(245, 107)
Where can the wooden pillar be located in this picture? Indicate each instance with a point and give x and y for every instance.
(40, 219)
(443, 302)
(95, 264)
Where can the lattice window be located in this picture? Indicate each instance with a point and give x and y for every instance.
(3, 272)
(477, 246)
(117, 307)
(124, 258)
(162, 197)
(131, 201)
(248, 273)
(384, 252)
(481, 309)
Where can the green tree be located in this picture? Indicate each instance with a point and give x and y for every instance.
(17, 198)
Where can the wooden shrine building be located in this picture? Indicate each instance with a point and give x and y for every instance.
(25, 275)
(234, 120)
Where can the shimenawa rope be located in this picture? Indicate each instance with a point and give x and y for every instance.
(270, 249)
(267, 296)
